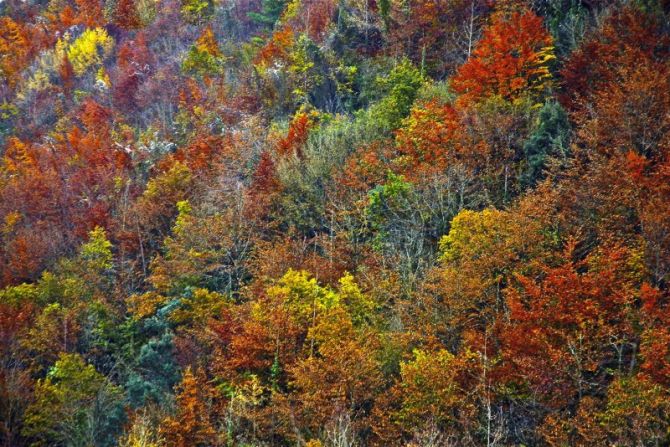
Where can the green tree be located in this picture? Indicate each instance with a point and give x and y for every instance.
(270, 12)
(74, 311)
(401, 86)
(550, 138)
(196, 11)
(150, 352)
(385, 201)
(96, 254)
(637, 412)
(74, 406)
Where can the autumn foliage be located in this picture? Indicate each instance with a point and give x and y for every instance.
(320, 223)
(510, 60)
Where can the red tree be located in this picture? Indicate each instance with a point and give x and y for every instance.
(510, 60)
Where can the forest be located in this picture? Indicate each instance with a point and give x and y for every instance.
(334, 223)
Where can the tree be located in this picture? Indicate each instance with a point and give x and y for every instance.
(297, 301)
(141, 433)
(633, 411)
(384, 201)
(510, 60)
(581, 324)
(15, 49)
(89, 50)
(400, 86)
(204, 251)
(637, 412)
(494, 135)
(270, 12)
(16, 315)
(90, 12)
(478, 258)
(263, 194)
(196, 11)
(626, 38)
(334, 223)
(429, 140)
(191, 424)
(549, 139)
(654, 347)
(340, 377)
(296, 137)
(126, 15)
(153, 372)
(628, 114)
(73, 292)
(67, 75)
(155, 207)
(55, 330)
(134, 65)
(75, 405)
(204, 58)
(433, 391)
(96, 254)
(437, 36)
